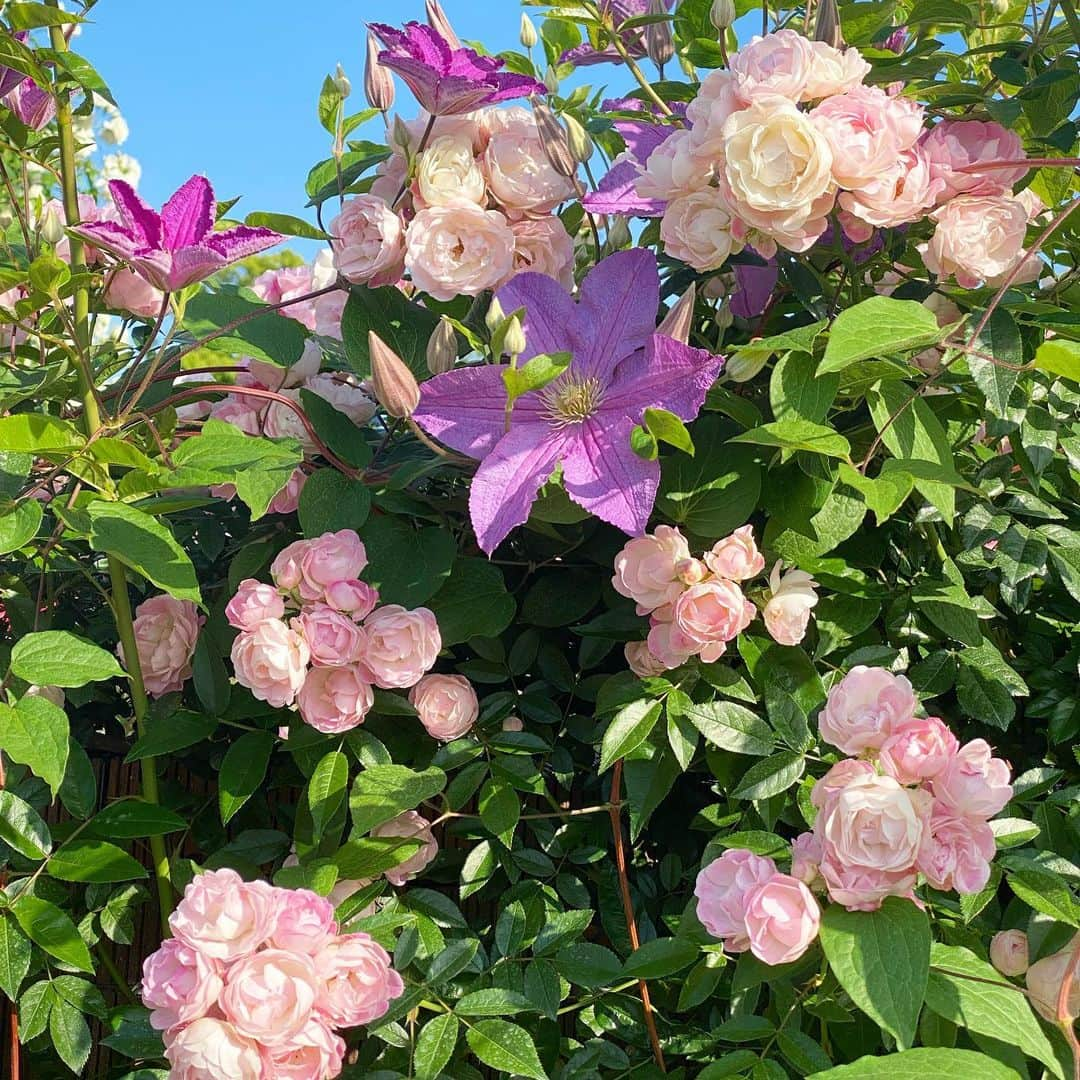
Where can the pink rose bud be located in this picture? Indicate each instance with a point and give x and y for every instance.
(359, 981)
(285, 569)
(394, 384)
(401, 645)
(782, 919)
(224, 917)
(414, 827)
(378, 82)
(355, 598)
(166, 631)
(254, 601)
(736, 557)
(1044, 981)
(806, 858)
(721, 890)
(179, 984)
(918, 750)
(974, 783)
(334, 700)
(647, 568)
(677, 322)
(271, 661)
(787, 612)
(642, 662)
(1009, 952)
(333, 639)
(270, 997)
(446, 704)
(210, 1047)
(865, 708)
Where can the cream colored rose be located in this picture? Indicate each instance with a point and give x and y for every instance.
(520, 177)
(458, 250)
(696, 228)
(448, 174)
(833, 71)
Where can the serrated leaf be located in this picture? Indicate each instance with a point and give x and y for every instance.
(507, 1047)
(435, 1046)
(326, 790)
(628, 729)
(60, 658)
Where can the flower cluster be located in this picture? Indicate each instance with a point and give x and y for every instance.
(790, 133)
(696, 606)
(256, 980)
(337, 644)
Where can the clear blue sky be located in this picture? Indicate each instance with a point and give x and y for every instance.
(229, 87)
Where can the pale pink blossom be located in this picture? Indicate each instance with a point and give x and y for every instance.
(269, 997)
(412, 826)
(253, 602)
(918, 749)
(332, 557)
(676, 167)
(865, 708)
(520, 177)
(697, 228)
(458, 250)
(956, 852)
(345, 393)
(736, 557)
(313, 1053)
(1009, 952)
(224, 917)
(832, 71)
(274, 377)
(779, 63)
(333, 639)
(977, 238)
(666, 642)
(646, 570)
(368, 242)
(271, 661)
(1044, 981)
(806, 856)
(288, 498)
(787, 611)
(543, 246)
(211, 1049)
(401, 645)
(305, 924)
(360, 983)
(721, 890)
(900, 193)
(166, 632)
(641, 661)
(334, 700)
(127, 291)
(712, 614)
(285, 421)
(974, 782)
(717, 98)
(782, 919)
(355, 598)
(179, 984)
(953, 144)
(837, 778)
(446, 704)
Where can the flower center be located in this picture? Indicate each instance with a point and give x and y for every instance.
(569, 400)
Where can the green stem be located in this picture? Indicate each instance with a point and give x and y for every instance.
(638, 74)
(109, 964)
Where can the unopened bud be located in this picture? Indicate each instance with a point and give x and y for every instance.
(378, 82)
(554, 140)
(51, 227)
(495, 315)
(513, 336)
(438, 22)
(341, 81)
(551, 81)
(1000, 6)
(827, 24)
(742, 367)
(722, 14)
(618, 234)
(442, 347)
(676, 323)
(659, 46)
(394, 384)
(527, 34)
(578, 139)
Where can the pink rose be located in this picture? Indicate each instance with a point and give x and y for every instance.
(458, 250)
(778, 63)
(918, 750)
(1009, 952)
(721, 890)
(641, 661)
(401, 645)
(712, 614)
(838, 778)
(412, 826)
(274, 377)
(254, 601)
(898, 194)
(285, 569)
(956, 853)
(952, 144)
(212, 1049)
(321, 314)
(179, 984)
(806, 856)
(697, 228)
(282, 421)
(355, 598)
(520, 177)
(127, 291)
(305, 924)
(333, 639)
(241, 414)
(782, 919)
(271, 661)
(446, 704)
(368, 242)
(647, 568)
(166, 632)
(345, 393)
(1044, 980)
(543, 246)
(787, 611)
(270, 996)
(676, 167)
(334, 700)
(978, 238)
(360, 983)
(288, 498)
(833, 71)
(974, 782)
(337, 556)
(666, 642)
(865, 708)
(224, 917)
(862, 888)
(736, 557)
(313, 1053)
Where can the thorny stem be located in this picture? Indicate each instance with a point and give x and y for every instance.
(628, 908)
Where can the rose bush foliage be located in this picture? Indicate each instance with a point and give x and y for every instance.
(612, 612)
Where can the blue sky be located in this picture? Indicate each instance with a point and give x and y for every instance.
(229, 87)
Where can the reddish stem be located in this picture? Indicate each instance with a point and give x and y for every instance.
(1012, 163)
(13, 1027)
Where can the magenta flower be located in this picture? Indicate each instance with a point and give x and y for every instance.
(448, 81)
(178, 246)
(582, 421)
(32, 105)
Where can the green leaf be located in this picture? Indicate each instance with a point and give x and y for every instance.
(70, 1035)
(1045, 891)
(373, 855)
(330, 501)
(628, 729)
(923, 1064)
(330, 99)
(38, 433)
(21, 828)
(402, 324)
(666, 427)
(659, 958)
(472, 602)
(494, 1002)
(435, 1046)
(588, 964)
(261, 334)
(500, 809)
(883, 494)
(143, 543)
(453, 960)
(732, 727)
(242, 771)
(287, 225)
(794, 433)
(59, 658)
(878, 326)
(53, 931)
(505, 1046)
(14, 957)
(385, 791)
(93, 861)
(882, 959)
(132, 819)
(336, 429)
(771, 776)
(36, 734)
(950, 609)
(1000, 338)
(798, 390)
(644, 444)
(1058, 356)
(407, 565)
(534, 374)
(169, 734)
(326, 790)
(969, 992)
(19, 523)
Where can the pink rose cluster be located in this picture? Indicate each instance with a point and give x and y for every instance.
(318, 638)
(908, 800)
(475, 208)
(697, 606)
(790, 132)
(287, 284)
(256, 981)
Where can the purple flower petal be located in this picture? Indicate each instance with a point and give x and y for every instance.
(194, 263)
(551, 316)
(32, 105)
(110, 237)
(507, 482)
(671, 376)
(617, 194)
(604, 476)
(756, 284)
(241, 241)
(156, 266)
(189, 214)
(140, 220)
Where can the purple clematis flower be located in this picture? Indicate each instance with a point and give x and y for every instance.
(448, 81)
(582, 421)
(178, 246)
(32, 105)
